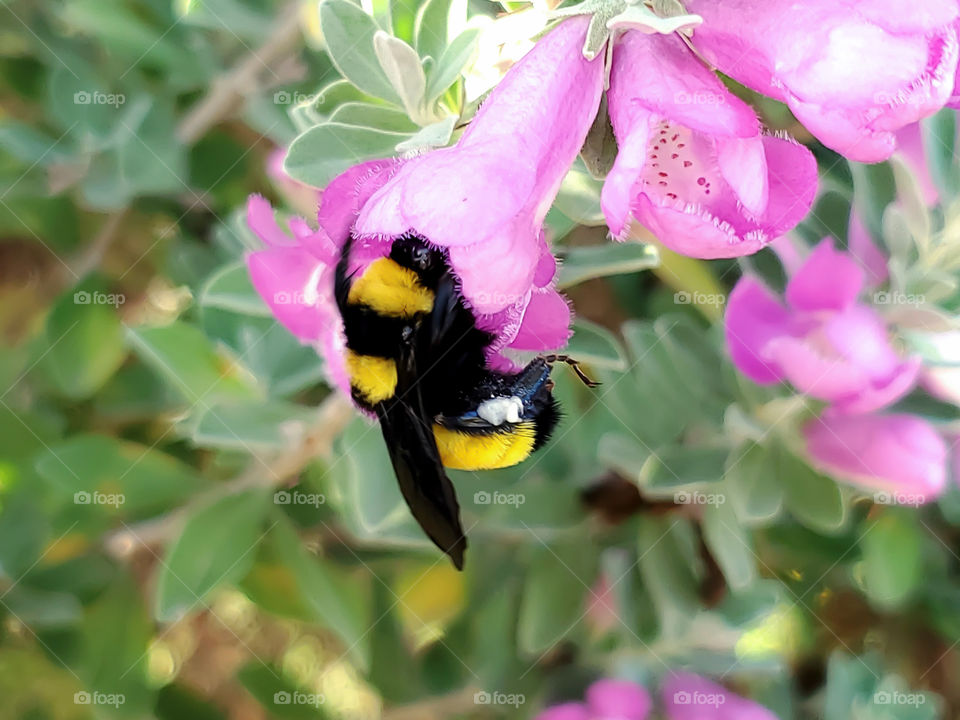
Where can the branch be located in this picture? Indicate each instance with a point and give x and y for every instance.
(332, 417)
(227, 92)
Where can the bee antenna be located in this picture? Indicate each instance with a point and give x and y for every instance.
(576, 368)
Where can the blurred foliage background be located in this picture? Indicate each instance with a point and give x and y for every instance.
(192, 527)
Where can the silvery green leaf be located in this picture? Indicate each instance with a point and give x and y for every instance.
(437, 23)
(910, 199)
(401, 64)
(324, 151)
(451, 62)
(434, 135)
(939, 143)
(379, 117)
(349, 32)
(585, 263)
(579, 197)
(640, 17)
(595, 345)
(729, 543)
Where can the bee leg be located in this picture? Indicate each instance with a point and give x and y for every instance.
(576, 368)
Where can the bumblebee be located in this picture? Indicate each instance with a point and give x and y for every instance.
(416, 360)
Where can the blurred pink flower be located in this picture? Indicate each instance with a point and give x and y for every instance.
(901, 454)
(301, 197)
(605, 700)
(825, 343)
(852, 71)
(694, 166)
(690, 697)
(484, 200)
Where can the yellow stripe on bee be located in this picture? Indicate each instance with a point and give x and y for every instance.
(391, 289)
(460, 451)
(373, 378)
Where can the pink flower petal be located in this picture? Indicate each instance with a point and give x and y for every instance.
(828, 280)
(348, 192)
(753, 319)
(260, 219)
(618, 700)
(289, 281)
(546, 322)
(898, 453)
(813, 373)
(690, 697)
(910, 151)
(486, 197)
(852, 72)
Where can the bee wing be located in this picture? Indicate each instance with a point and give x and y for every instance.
(408, 433)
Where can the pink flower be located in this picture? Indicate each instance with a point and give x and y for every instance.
(483, 200)
(690, 697)
(301, 197)
(606, 700)
(901, 454)
(911, 152)
(852, 71)
(693, 165)
(825, 343)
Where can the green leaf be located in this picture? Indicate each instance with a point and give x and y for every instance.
(874, 189)
(756, 493)
(348, 32)
(324, 151)
(586, 263)
(939, 144)
(144, 480)
(217, 546)
(152, 160)
(84, 339)
(814, 499)
(280, 696)
(378, 117)
(183, 356)
(552, 604)
(892, 562)
(401, 64)
(253, 426)
(729, 543)
(594, 345)
(667, 572)
(579, 197)
(435, 21)
(28, 144)
(365, 491)
(24, 530)
(116, 636)
(230, 289)
(679, 465)
(451, 62)
(312, 589)
(432, 136)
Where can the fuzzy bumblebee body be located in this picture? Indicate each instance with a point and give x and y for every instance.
(417, 361)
